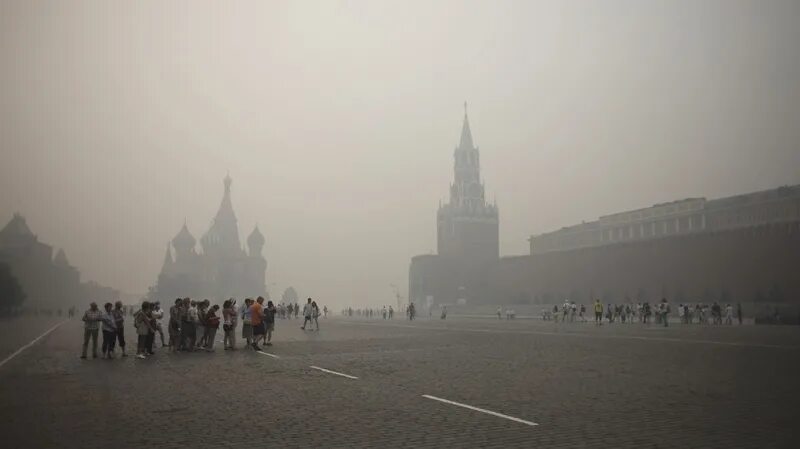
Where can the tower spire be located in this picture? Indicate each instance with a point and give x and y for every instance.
(466, 134)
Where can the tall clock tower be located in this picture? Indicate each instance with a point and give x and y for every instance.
(467, 226)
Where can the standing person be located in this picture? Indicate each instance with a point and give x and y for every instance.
(91, 324)
(739, 312)
(141, 321)
(598, 312)
(728, 314)
(229, 324)
(257, 318)
(109, 332)
(212, 324)
(158, 314)
(307, 312)
(175, 325)
(187, 325)
(247, 322)
(119, 325)
(194, 319)
(444, 312)
(582, 314)
(665, 311)
(202, 311)
(269, 322)
(325, 311)
(296, 310)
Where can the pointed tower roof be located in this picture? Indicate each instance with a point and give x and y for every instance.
(466, 134)
(223, 235)
(225, 212)
(255, 238)
(61, 258)
(184, 239)
(17, 227)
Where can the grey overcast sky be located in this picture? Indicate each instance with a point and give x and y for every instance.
(337, 121)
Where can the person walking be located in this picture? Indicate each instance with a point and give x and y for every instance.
(109, 332)
(315, 314)
(119, 326)
(91, 324)
(307, 312)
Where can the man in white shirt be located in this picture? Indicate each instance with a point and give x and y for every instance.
(308, 310)
(158, 314)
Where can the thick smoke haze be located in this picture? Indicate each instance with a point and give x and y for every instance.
(337, 121)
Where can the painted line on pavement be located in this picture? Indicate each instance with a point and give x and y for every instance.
(333, 372)
(482, 410)
(7, 359)
(585, 335)
(267, 353)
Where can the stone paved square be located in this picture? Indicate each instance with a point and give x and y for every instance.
(583, 385)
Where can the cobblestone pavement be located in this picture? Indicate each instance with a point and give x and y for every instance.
(585, 386)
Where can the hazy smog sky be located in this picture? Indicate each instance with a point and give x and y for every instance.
(337, 121)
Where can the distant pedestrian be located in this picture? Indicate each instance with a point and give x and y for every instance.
(444, 312)
(174, 326)
(144, 328)
(269, 323)
(229, 317)
(315, 314)
(728, 314)
(739, 312)
(665, 311)
(91, 324)
(119, 325)
(212, 324)
(257, 319)
(598, 312)
(307, 311)
(247, 322)
(109, 331)
(158, 314)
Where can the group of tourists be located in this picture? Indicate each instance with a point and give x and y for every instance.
(643, 312)
(192, 325)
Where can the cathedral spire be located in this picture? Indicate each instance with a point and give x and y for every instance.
(466, 134)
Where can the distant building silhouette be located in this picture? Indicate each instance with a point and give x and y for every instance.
(467, 234)
(223, 268)
(740, 248)
(47, 281)
(681, 217)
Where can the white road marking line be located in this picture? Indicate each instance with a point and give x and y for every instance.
(7, 359)
(586, 335)
(482, 410)
(267, 353)
(333, 372)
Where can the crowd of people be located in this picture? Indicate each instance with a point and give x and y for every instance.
(644, 312)
(192, 325)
